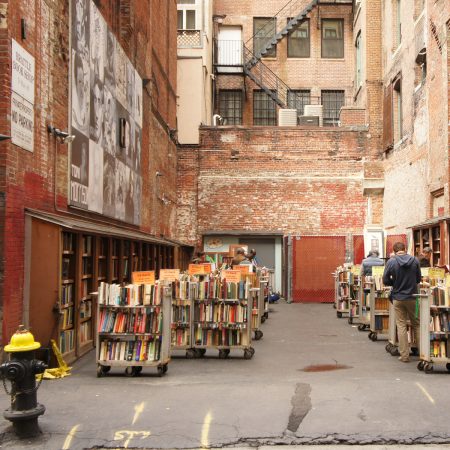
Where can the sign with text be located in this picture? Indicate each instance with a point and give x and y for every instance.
(436, 273)
(424, 271)
(377, 270)
(144, 277)
(169, 274)
(22, 72)
(243, 269)
(22, 122)
(199, 269)
(232, 276)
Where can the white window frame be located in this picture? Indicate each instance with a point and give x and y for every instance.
(189, 7)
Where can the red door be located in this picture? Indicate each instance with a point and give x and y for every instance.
(314, 260)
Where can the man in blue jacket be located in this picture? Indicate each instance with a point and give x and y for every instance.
(402, 272)
(372, 259)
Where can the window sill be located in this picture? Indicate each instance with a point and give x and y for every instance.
(298, 58)
(333, 59)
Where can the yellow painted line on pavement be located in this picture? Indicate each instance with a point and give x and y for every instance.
(138, 409)
(425, 392)
(69, 437)
(205, 430)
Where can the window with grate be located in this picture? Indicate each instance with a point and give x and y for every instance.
(332, 38)
(332, 102)
(298, 41)
(264, 29)
(297, 99)
(264, 109)
(230, 106)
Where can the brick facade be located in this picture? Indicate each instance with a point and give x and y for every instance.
(39, 180)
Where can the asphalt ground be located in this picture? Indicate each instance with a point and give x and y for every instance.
(364, 397)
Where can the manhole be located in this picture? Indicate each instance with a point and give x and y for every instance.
(324, 367)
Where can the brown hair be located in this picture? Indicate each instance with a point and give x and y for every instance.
(398, 247)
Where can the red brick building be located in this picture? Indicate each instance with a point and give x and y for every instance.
(64, 224)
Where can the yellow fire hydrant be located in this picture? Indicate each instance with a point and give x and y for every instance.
(21, 370)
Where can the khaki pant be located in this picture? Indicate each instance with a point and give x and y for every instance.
(404, 310)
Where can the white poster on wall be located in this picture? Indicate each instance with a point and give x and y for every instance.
(373, 241)
(22, 122)
(22, 72)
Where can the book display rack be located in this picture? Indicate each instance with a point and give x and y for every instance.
(435, 327)
(355, 288)
(342, 300)
(364, 307)
(257, 300)
(133, 328)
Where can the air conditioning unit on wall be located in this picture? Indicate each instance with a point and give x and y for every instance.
(315, 110)
(287, 117)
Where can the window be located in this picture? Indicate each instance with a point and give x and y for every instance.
(358, 75)
(264, 29)
(230, 107)
(264, 109)
(332, 38)
(297, 99)
(398, 22)
(332, 102)
(298, 41)
(397, 108)
(186, 19)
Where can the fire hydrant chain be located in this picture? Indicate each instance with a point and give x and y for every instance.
(12, 392)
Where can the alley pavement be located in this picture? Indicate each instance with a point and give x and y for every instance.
(356, 394)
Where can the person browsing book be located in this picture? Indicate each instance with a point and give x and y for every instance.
(239, 257)
(402, 272)
(371, 260)
(425, 257)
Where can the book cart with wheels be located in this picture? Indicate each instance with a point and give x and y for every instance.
(343, 279)
(379, 306)
(265, 285)
(435, 328)
(257, 311)
(133, 327)
(222, 315)
(364, 307)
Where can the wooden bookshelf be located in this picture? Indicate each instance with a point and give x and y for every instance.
(430, 236)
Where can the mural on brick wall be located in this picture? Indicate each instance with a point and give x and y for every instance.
(106, 119)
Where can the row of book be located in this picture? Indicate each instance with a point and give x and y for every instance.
(130, 295)
(181, 337)
(382, 304)
(225, 337)
(440, 348)
(67, 317)
(213, 287)
(381, 323)
(86, 309)
(67, 341)
(377, 281)
(440, 296)
(141, 349)
(181, 313)
(440, 322)
(85, 332)
(142, 320)
(220, 312)
(66, 294)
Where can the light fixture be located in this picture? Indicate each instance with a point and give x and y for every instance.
(3, 137)
(63, 136)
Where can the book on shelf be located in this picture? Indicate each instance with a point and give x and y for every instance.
(66, 294)
(133, 321)
(181, 337)
(65, 269)
(66, 341)
(130, 295)
(140, 349)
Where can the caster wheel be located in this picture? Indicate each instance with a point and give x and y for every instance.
(191, 353)
(420, 365)
(248, 353)
(394, 351)
(428, 368)
(374, 337)
(223, 353)
(370, 335)
(258, 335)
(447, 366)
(266, 315)
(100, 371)
(361, 327)
(137, 370)
(350, 320)
(339, 314)
(160, 371)
(200, 352)
(263, 319)
(165, 368)
(129, 371)
(388, 347)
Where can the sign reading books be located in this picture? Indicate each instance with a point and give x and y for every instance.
(232, 276)
(435, 273)
(243, 269)
(197, 269)
(22, 97)
(169, 274)
(144, 277)
(377, 270)
(106, 119)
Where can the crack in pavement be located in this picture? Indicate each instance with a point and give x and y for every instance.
(301, 405)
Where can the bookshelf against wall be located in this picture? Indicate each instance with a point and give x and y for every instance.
(429, 236)
(115, 255)
(68, 294)
(85, 306)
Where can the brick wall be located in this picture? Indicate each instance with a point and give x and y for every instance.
(290, 180)
(39, 180)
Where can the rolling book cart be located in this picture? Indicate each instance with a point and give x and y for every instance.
(265, 285)
(257, 301)
(222, 315)
(343, 279)
(364, 307)
(133, 327)
(435, 328)
(379, 306)
(355, 288)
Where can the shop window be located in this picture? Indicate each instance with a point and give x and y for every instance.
(264, 29)
(332, 102)
(332, 38)
(297, 99)
(299, 41)
(230, 106)
(264, 109)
